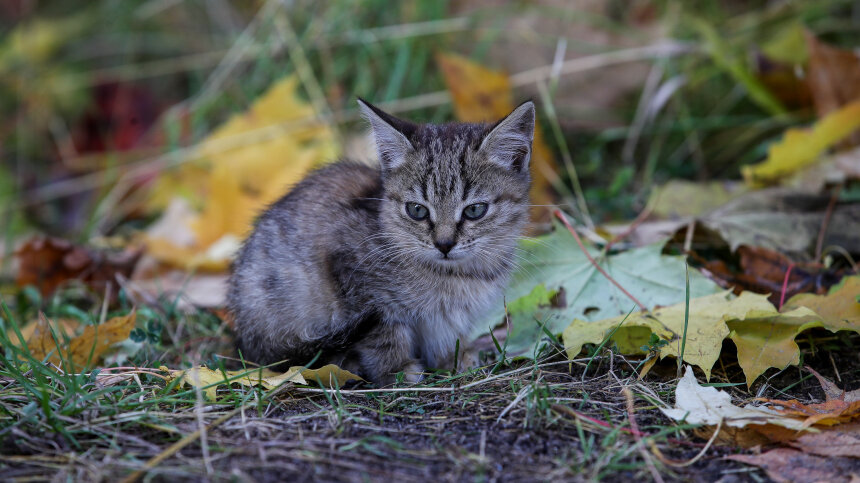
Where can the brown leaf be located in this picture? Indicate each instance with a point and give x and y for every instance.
(841, 441)
(83, 350)
(832, 391)
(833, 76)
(828, 413)
(47, 263)
(789, 465)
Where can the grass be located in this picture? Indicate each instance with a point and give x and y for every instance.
(524, 420)
(538, 419)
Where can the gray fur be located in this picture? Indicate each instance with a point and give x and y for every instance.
(337, 266)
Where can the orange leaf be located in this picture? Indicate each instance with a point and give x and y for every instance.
(83, 350)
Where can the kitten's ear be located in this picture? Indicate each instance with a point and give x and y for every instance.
(389, 134)
(509, 144)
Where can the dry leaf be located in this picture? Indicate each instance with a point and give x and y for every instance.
(801, 148)
(788, 465)
(698, 404)
(47, 263)
(329, 375)
(240, 168)
(84, 350)
(484, 95)
(833, 76)
(839, 407)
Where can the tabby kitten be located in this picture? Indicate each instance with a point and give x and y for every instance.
(383, 269)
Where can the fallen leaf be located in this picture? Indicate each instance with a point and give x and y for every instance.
(832, 391)
(839, 308)
(681, 198)
(761, 270)
(329, 375)
(244, 165)
(786, 221)
(556, 284)
(788, 465)
(484, 95)
(696, 404)
(48, 263)
(801, 148)
(764, 337)
(833, 75)
(81, 351)
(843, 440)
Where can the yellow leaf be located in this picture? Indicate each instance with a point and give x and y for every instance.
(763, 336)
(768, 341)
(840, 308)
(482, 95)
(243, 166)
(207, 379)
(329, 374)
(801, 148)
(84, 350)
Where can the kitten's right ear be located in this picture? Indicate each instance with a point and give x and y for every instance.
(509, 143)
(388, 132)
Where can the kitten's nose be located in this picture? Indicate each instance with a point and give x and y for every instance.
(444, 246)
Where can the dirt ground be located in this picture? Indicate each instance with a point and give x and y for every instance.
(528, 422)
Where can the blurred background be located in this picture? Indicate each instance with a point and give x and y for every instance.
(161, 127)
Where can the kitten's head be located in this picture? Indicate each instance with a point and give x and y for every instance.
(456, 195)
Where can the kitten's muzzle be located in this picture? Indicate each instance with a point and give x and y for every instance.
(444, 246)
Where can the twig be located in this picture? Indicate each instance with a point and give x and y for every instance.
(785, 285)
(558, 214)
(680, 464)
(643, 215)
(819, 244)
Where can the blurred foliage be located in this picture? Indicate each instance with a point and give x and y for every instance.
(101, 88)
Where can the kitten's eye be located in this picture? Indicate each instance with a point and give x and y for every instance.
(473, 212)
(416, 211)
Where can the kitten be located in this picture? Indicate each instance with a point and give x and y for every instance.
(383, 269)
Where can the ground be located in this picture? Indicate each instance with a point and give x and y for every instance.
(528, 421)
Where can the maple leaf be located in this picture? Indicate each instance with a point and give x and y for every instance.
(764, 336)
(82, 351)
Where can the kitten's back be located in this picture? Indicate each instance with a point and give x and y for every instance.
(289, 257)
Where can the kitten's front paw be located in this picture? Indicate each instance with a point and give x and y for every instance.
(468, 360)
(413, 372)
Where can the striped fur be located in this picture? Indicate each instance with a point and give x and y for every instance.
(337, 267)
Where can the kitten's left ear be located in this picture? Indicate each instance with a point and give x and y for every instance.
(390, 134)
(509, 144)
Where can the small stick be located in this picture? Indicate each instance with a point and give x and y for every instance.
(633, 226)
(785, 285)
(558, 214)
(824, 224)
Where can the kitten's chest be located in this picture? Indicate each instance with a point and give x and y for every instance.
(453, 301)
